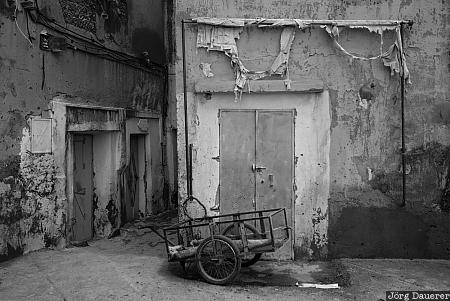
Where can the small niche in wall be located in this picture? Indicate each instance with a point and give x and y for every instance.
(41, 135)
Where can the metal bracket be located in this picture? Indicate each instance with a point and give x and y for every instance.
(257, 168)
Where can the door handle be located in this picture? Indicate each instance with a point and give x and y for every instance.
(270, 180)
(257, 168)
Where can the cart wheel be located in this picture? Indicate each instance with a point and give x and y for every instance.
(218, 260)
(250, 232)
(188, 266)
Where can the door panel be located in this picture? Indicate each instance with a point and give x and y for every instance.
(237, 153)
(274, 157)
(133, 199)
(142, 173)
(83, 184)
(136, 178)
(256, 164)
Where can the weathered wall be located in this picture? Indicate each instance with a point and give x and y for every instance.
(365, 219)
(30, 78)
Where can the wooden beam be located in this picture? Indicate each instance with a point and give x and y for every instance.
(94, 126)
(306, 85)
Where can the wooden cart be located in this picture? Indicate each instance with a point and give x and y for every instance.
(220, 245)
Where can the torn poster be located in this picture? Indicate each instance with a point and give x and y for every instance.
(226, 22)
(301, 24)
(220, 34)
(224, 39)
(394, 57)
(288, 22)
(243, 75)
(260, 22)
(218, 38)
(401, 56)
(333, 32)
(280, 64)
(206, 69)
(375, 28)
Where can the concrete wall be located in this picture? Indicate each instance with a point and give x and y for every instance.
(365, 219)
(30, 78)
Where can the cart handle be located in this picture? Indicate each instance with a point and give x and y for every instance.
(159, 234)
(185, 211)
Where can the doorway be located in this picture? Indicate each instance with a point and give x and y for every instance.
(83, 187)
(256, 163)
(136, 182)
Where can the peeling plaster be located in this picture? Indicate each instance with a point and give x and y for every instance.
(206, 69)
(38, 220)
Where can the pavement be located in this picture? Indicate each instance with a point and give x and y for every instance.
(133, 266)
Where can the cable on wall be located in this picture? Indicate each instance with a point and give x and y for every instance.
(79, 42)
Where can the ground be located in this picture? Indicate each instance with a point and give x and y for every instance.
(133, 266)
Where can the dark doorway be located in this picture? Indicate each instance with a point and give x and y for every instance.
(83, 187)
(136, 183)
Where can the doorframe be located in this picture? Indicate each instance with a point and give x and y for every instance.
(133, 127)
(62, 145)
(117, 122)
(293, 111)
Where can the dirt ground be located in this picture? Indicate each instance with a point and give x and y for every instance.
(133, 266)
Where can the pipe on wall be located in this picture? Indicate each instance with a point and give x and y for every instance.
(403, 151)
(186, 134)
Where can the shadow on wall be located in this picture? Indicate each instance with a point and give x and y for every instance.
(378, 233)
(376, 226)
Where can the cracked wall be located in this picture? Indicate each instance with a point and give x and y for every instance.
(32, 215)
(364, 216)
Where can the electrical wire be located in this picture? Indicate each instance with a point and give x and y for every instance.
(18, 27)
(94, 47)
(81, 37)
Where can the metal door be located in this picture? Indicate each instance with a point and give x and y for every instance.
(273, 168)
(83, 184)
(256, 163)
(237, 153)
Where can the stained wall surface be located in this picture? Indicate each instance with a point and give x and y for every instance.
(363, 212)
(31, 214)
